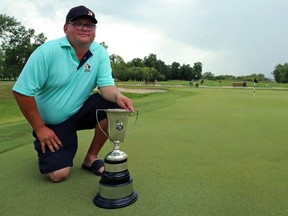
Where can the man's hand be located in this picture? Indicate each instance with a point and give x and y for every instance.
(125, 102)
(112, 94)
(47, 137)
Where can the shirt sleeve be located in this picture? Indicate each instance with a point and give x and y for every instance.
(33, 75)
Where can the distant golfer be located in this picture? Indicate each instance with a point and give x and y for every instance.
(54, 93)
(254, 89)
(191, 82)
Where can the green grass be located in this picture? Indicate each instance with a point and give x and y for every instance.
(193, 151)
(8, 109)
(15, 135)
(14, 130)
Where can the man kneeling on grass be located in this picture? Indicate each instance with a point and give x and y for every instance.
(54, 93)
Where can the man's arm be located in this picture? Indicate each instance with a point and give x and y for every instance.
(29, 109)
(45, 135)
(111, 93)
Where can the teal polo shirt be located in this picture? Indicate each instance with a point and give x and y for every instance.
(60, 85)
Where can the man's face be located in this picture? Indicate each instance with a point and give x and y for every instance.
(80, 31)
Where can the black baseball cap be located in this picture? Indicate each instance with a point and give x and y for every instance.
(80, 11)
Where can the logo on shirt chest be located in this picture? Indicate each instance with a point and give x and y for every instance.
(87, 68)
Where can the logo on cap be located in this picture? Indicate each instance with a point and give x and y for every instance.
(90, 13)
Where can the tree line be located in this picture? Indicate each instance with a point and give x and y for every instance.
(252, 77)
(150, 68)
(280, 73)
(17, 43)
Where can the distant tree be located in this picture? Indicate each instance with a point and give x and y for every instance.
(151, 68)
(260, 77)
(198, 69)
(119, 68)
(136, 73)
(252, 77)
(136, 62)
(175, 71)
(104, 45)
(280, 73)
(208, 75)
(225, 77)
(17, 44)
(150, 61)
(141, 74)
(187, 72)
(163, 69)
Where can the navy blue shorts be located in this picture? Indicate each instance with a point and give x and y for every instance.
(66, 131)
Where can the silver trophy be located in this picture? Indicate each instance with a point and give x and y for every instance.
(115, 185)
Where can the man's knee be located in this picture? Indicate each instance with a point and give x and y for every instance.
(58, 175)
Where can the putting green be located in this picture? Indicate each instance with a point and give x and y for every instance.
(193, 152)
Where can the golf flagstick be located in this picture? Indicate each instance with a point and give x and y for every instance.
(255, 81)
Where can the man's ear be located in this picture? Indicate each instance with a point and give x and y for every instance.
(65, 28)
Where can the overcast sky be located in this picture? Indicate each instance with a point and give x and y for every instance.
(234, 37)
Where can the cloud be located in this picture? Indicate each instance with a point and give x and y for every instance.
(227, 36)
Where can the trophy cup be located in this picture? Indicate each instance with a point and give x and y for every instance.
(115, 185)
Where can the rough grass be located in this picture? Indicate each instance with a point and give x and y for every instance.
(8, 108)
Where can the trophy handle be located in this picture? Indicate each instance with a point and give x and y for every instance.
(99, 123)
(137, 114)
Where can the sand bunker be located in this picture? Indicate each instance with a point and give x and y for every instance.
(140, 90)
